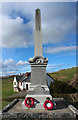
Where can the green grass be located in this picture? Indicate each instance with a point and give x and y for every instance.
(64, 75)
(7, 87)
(4, 103)
(7, 90)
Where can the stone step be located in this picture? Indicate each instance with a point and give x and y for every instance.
(39, 106)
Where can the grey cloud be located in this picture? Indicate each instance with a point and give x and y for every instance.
(58, 21)
(15, 33)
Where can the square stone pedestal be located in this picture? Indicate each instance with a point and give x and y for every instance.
(38, 101)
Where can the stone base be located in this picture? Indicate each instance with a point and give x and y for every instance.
(38, 101)
(32, 87)
(39, 90)
(62, 112)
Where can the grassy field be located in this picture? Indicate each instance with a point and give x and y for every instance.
(7, 87)
(7, 90)
(65, 74)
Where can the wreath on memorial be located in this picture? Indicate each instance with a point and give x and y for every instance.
(29, 102)
(48, 105)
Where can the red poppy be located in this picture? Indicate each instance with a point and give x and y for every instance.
(48, 105)
(29, 102)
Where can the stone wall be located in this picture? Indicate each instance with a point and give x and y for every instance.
(9, 106)
(38, 116)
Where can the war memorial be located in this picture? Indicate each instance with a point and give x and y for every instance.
(38, 89)
(38, 103)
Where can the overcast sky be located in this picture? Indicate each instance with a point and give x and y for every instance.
(58, 35)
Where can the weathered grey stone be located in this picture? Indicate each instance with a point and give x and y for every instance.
(39, 90)
(38, 36)
(38, 75)
(59, 114)
(38, 101)
(38, 116)
(9, 106)
(38, 62)
(71, 107)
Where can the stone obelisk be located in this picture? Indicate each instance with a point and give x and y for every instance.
(38, 33)
(38, 62)
(38, 88)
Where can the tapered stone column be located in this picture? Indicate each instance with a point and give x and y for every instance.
(38, 36)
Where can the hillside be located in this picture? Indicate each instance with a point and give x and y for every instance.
(67, 75)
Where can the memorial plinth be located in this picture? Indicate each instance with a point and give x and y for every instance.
(38, 73)
(39, 88)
